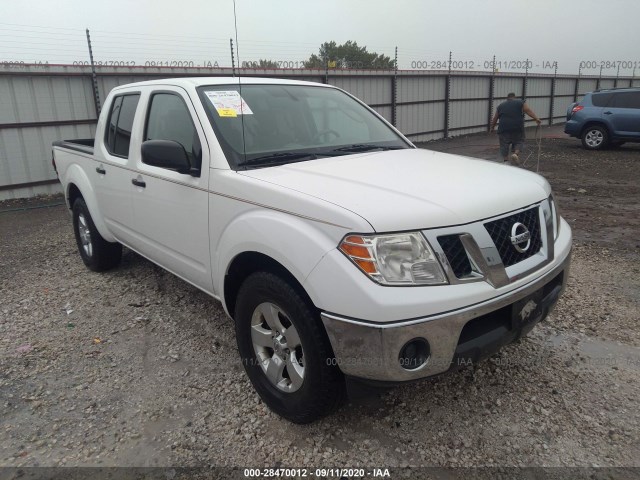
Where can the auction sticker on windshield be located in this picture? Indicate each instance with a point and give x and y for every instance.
(228, 103)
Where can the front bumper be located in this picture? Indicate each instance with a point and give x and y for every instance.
(371, 351)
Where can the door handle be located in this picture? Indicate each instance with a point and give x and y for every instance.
(101, 171)
(608, 113)
(138, 183)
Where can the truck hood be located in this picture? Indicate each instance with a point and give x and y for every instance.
(411, 189)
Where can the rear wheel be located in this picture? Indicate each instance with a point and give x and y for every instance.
(285, 351)
(595, 137)
(96, 252)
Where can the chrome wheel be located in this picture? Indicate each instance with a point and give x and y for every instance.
(277, 345)
(285, 350)
(594, 138)
(85, 235)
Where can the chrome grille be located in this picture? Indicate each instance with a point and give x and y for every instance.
(500, 232)
(456, 255)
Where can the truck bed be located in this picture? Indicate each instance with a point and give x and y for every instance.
(84, 145)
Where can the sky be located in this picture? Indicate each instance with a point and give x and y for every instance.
(569, 32)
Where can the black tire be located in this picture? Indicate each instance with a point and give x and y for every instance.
(101, 255)
(323, 388)
(595, 137)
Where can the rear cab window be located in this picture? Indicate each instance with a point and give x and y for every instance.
(601, 99)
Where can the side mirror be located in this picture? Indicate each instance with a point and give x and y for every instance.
(166, 154)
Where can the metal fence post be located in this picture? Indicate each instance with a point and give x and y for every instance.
(447, 98)
(553, 94)
(615, 82)
(491, 88)
(94, 78)
(233, 58)
(394, 91)
(599, 77)
(326, 70)
(525, 82)
(576, 89)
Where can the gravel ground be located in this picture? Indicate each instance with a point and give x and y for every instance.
(135, 367)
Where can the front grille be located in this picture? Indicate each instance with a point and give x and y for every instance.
(456, 255)
(500, 232)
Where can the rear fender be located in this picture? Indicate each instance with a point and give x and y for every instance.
(75, 175)
(601, 122)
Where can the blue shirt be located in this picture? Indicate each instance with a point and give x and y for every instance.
(510, 116)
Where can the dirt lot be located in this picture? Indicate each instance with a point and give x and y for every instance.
(136, 368)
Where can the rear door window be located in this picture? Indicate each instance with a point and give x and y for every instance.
(120, 124)
(626, 100)
(110, 137)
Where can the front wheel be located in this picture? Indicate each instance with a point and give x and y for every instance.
(595, 137)
(285, 351)
(96, 252)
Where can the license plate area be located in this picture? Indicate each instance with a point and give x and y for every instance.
(526, 310)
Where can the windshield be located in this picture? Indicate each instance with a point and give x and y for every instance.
(292, 123)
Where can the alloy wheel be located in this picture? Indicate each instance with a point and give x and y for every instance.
(277, 346)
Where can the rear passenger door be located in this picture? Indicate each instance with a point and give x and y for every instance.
(623, 112)
(171, 208)
(110, 175)
(598, 101)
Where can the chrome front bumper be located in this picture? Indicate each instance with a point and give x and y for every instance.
(370, 351)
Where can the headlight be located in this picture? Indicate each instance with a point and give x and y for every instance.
(395, 259)
(555, 217)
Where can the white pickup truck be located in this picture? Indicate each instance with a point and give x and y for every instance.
(340, 250)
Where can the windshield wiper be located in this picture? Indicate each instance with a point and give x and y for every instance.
(364, 147)
(291, 157)
(281, 157)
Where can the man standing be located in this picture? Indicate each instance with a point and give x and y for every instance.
(511, 127)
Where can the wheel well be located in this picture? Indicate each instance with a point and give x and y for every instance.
(250, 262)
(74, 193)
(592, 124)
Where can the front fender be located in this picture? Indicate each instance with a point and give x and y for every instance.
(75, 175)
(297, 244)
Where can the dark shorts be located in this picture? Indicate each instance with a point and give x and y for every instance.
(511, 138)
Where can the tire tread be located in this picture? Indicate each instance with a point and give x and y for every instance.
(331, 390)
(106, 255)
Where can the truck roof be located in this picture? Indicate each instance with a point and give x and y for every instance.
(199, 81)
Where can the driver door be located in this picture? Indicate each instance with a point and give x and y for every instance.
(171, 208)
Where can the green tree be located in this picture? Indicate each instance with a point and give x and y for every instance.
(347, 55)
